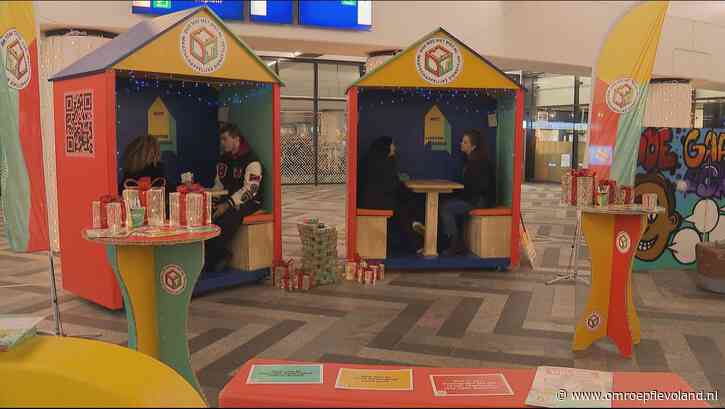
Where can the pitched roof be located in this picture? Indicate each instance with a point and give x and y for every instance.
(379, 76)
(138, 36)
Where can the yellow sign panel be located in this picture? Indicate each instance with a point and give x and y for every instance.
(200, 46)
(159, 120)
(375, 379)
(438, 61)
(434, 127)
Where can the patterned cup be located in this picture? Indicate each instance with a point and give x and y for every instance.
(194, 209)
(130, 201)
(175, 209)
(156, 204)
(208, 203)
(113, 216)
(649, 201)
(96, 214)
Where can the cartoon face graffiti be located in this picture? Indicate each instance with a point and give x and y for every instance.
(660, 226)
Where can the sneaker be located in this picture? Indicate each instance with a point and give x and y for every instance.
(419, 228)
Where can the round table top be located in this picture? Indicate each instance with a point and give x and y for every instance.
(620, 209)
(154, 236)
(52, 371)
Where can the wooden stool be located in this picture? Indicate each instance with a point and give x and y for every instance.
(487, 232)
(253, 246)
(372, 233)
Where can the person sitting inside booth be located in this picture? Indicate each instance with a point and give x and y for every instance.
(382, 189)
(479, 190)
(239, 172)
(142, 158)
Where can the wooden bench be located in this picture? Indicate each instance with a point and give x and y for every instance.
(488, 232)
(253, 246)
(372, 233)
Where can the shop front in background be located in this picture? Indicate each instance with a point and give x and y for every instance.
(313, 119)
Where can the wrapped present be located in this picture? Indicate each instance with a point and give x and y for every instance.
(186, 189)
(143, 185)
(624, 195)
(106, 199)
(578, 187)
(608, 187)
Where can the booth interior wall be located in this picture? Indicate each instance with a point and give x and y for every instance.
(505, 138)
(193, 142)
(254, 119)
(400, 115)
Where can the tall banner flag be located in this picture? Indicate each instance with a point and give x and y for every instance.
(621, 78)
(21, 143)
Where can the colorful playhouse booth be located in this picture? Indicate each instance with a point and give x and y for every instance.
(173, 77)
(425, 98)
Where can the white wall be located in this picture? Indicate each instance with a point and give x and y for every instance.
(552, 36)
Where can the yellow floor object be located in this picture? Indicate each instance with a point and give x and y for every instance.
(49, 371)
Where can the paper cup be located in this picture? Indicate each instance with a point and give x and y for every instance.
(649, 201)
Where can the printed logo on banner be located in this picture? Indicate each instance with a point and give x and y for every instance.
(622, 94)
(202, 44)
(79, 126)
(439, 60)
(623, 242)
(600, 155)
(16, 57)
(173, 279)
(593, 321)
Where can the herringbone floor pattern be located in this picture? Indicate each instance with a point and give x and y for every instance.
(458, 319)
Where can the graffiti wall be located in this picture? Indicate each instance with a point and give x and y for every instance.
(686, 169)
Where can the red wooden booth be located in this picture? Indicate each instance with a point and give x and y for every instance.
(425, 98)
(185, 67)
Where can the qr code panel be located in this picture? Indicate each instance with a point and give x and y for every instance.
(79, 137)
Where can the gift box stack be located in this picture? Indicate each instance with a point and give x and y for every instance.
(287, 276)
(364, 271)
(319, 251)
(577, 187)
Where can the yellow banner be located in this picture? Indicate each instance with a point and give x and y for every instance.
(18, 15)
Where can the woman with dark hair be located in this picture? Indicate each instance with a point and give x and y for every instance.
(380, 188)
(479, 190)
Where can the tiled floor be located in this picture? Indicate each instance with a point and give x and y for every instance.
(452, 318)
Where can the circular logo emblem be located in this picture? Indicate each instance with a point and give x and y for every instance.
(622, 94)
(623, 242)
(438, 60)
(173, 279)
(202, 44)
(593, 321)
(16, 57)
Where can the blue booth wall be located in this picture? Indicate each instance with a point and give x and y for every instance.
(400, 113)
(195, 131)
(686, 169)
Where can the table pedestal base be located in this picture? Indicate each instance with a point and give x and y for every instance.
(157, 283)
(610, 311)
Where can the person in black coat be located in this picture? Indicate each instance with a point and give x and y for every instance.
(479, 190)
(380, 188)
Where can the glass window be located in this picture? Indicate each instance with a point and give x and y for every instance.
(297, 137)
(333, 79)
(299, 78)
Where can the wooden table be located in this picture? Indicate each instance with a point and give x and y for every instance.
(238, 394)
(157, 275)
(612, 233)
(432, 188)
(52, 371)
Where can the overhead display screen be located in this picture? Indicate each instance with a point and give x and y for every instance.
(271, 11)
(341, 14)
(225, 9)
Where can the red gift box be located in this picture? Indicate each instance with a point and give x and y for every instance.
(143, 185)
(106, 199)
(577, 173)
(192, 188)
(612, 189)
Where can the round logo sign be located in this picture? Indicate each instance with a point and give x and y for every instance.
(202, 44)
(173, 279)
(593, 321)
(438, 60)
(622, 94)
(623, 242)
(16, 57)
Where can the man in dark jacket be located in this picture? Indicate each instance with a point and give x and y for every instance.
(239, 172)
(479, 190)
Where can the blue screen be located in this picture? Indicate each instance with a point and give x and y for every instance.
(271, 11)
(225, 9)
(336, 14)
